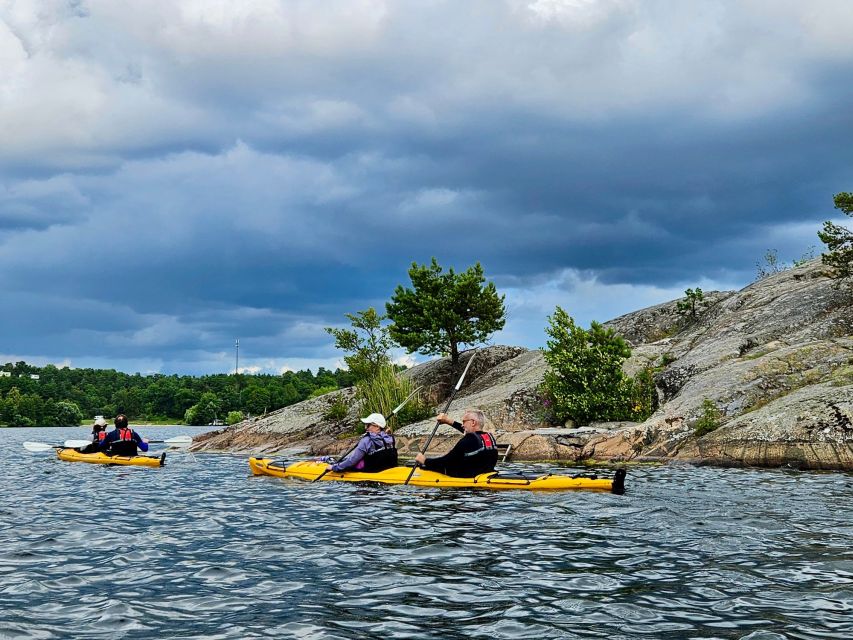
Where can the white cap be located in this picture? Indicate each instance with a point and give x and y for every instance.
(100, 422)
(375, 418)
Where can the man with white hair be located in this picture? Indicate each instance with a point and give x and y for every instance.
(376, 451)
(475, 453)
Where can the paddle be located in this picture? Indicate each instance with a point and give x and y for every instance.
(446, 407)
(178, 442)
(39, 447)
(393, 413)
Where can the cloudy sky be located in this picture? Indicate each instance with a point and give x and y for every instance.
(175, 174)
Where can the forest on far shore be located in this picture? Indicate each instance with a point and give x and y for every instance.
(51, 396)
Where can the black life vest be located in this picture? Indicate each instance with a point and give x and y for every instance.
(380, 458)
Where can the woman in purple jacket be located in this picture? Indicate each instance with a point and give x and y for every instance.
(376, 451)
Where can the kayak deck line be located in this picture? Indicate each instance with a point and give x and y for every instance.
(310, 470)
(72, 455)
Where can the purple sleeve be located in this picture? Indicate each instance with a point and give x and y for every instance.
(355, 457)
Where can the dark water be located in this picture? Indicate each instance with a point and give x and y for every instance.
(199, 549)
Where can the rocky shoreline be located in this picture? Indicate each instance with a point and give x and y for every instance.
(776, 358)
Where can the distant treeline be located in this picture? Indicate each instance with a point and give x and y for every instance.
(50, 396)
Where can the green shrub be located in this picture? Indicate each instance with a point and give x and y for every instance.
(709, 419)
(384, 391)
(322, 391)
(645, 395)
(337, 410)
(234, 417)
(585, 381)
(204, 411)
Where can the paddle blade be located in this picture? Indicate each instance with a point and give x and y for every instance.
(38, 447)
(77, 444)
(179, 442)
(403, 403)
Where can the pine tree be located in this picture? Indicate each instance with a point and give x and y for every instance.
(445, 310)
(839, 240)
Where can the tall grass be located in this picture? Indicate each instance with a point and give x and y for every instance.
(384, 391)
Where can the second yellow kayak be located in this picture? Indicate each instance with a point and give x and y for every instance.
(72, 455)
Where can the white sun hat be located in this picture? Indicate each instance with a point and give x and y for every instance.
(375, 418)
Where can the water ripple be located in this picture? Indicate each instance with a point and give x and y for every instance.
(200, 549)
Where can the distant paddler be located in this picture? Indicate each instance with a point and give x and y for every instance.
(99, 434)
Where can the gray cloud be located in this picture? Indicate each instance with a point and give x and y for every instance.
(195, 174)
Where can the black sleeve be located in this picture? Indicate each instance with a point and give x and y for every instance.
(455, 456)
(458, 426)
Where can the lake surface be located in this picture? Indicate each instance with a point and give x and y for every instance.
(200, 549)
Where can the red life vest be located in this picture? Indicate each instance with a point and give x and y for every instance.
(487, 443)
(125, 434)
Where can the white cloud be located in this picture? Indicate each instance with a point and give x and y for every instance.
(584, 298)
(407, 360)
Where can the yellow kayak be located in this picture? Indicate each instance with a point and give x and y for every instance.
(72, 455)
(309, 470)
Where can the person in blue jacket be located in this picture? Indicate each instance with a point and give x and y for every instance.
(123, 441)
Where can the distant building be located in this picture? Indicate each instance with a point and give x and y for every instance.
(34, 376)
(5, 374)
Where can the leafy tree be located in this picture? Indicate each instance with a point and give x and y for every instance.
(204, 412)
(256, 399)
(367, 343)
(68, 413)
(584, 379)
(839, 241)
(234, 417)
(444, 310)
(693, 297)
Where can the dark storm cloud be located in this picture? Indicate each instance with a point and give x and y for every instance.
(258, 171)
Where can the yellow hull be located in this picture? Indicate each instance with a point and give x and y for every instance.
(72, 455)
(309, 470)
